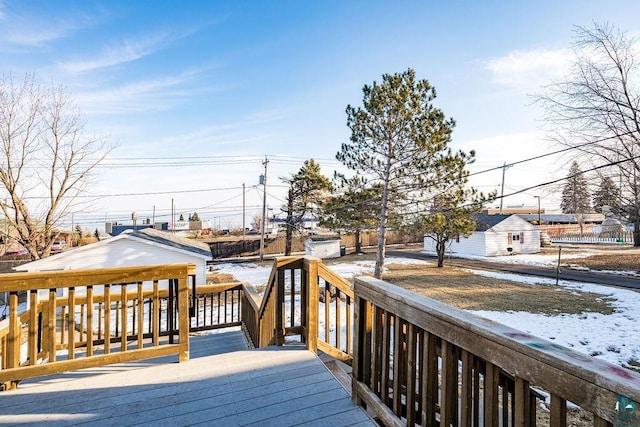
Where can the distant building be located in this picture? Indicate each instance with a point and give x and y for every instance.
(510, 210)
(494, 235)
(115, 229)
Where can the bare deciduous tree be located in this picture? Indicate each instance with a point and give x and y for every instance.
(596, 108)
(46, 160)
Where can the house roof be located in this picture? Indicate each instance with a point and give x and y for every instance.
(564, 218)
(484, 222)
(170, 239)
(149, 236)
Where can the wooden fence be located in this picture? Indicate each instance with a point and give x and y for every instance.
(577, 237)
(276, 245)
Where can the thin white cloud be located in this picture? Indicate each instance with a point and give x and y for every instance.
(128, 50)
(28, 27)
(151, 95)
(529, 70)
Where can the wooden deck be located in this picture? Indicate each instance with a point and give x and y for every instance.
(224, 383)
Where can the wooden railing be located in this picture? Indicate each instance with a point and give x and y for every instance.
(87, 318)
(415, 361)
(418, 361)
(302, 294)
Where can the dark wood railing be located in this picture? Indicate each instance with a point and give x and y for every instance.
(418, 361)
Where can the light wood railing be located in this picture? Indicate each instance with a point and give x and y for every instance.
(87, 318)
(421, 362)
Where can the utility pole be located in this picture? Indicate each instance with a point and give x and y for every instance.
(539, 222)
(264, 207)
(243, 211)
(504, 168)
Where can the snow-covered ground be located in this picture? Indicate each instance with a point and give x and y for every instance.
(614, 338)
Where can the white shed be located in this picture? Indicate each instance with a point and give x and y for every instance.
(322, 248)
(130, 248)
(494, 235)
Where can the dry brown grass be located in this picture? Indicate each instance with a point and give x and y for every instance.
(468, 291)
(610, 261)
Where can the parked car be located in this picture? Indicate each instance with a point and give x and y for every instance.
(59, 246)
(17, 253)
(545, 239)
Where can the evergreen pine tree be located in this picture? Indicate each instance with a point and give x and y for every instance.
(575, 195)
(608, 195)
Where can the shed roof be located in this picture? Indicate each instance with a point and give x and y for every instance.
(484, 221)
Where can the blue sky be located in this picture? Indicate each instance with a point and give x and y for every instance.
(208, 89)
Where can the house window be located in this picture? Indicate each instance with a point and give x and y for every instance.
(521, 238)
(509, 238)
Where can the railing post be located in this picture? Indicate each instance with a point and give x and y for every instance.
(13, 344)
(312, 302)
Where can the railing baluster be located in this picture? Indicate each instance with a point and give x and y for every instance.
(156, 314)
(33, 327)
(63, 325)
(90, 309)
(140, 305)
(466, 389)
(558, 412)
(521, 398)
(448, 385)
(396, 364)
(491, 396)
(71, 301)
(378, 327)
(411, 375)
(51, 326)
(107, 319)
(429, 379)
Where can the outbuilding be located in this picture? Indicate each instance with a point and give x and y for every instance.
(494, 235)
(130, 248)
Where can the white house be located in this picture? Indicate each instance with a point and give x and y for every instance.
(130, 248)
(494, 235)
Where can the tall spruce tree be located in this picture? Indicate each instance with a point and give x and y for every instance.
(399, 140)
(575, 195)
(607, 195)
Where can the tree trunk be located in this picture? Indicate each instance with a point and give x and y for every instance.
(636, 232)
(358, 242)
(382, 231)
(440, 250)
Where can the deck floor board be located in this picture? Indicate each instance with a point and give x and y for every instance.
(224, 383)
